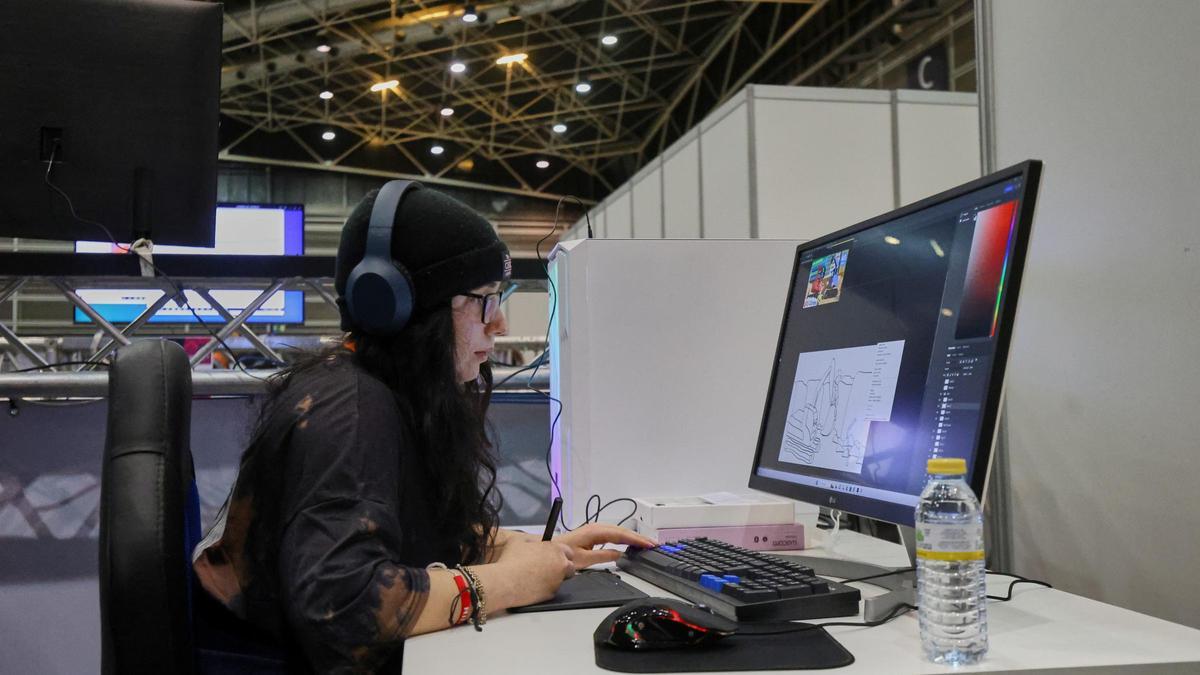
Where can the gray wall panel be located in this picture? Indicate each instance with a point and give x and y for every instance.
(1101, 422)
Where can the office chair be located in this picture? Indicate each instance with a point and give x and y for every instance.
(149, 524)
(149, 513)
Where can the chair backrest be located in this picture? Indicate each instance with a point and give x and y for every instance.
(148, 514)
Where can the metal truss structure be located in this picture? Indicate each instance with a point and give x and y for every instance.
(220, 331)
(298, 75)
(55, 374)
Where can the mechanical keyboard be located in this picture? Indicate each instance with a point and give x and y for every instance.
(738, 583)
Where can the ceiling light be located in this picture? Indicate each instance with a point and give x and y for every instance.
(469, 14)
(458, 67)
(511, 58)
(608, 40)
(583, 87)
(380, 86)
(892, 240)
(447, 111)
(559, 128)
(326, 95)
(437, 150)
(324, 49)
(329, 135)
(543, 164)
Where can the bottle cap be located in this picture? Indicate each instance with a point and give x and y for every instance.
(946, 466)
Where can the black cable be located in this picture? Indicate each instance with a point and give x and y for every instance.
(541, 359)
(179, 293)
(554, 477)
(586, 216)
(60, 363)
(533, 364)
(71, 206)
(880, 576)
(898, 610)
(537, 363)
(1016, 579)
(590, 517)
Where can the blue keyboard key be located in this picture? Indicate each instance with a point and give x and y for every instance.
(732, 578)
(712, 582)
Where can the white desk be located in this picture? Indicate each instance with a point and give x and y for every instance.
(1039, 630)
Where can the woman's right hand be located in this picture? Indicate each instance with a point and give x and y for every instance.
(536, 569)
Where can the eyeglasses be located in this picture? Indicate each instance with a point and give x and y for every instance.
(490, 303)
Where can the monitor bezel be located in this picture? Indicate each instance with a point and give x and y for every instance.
(1030, 173)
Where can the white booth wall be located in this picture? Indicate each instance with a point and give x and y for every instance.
(1101, 424)
(779, 162)
(647, 202)
(661, 355)
(681, 189)
(825, 159)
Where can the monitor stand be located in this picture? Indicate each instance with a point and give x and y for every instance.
(902, 586)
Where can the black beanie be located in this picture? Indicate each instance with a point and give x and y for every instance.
(447, 247)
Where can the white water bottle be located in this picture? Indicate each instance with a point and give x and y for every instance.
(951, 579)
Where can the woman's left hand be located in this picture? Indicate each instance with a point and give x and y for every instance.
(583, 539)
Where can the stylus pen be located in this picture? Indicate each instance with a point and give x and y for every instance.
(554, 509)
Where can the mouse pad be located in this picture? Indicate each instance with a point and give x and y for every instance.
(589, 588)
(809, 649)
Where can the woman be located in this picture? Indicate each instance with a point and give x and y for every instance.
(365, 510)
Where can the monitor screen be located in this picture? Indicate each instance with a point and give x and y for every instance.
(241, 229)
(892, 349)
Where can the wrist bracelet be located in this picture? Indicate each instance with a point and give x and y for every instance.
(464, 598)
(478, 600)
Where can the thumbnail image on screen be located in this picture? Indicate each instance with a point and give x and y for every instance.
(825, 279)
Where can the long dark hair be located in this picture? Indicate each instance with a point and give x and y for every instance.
(448, 419)
(444, 417)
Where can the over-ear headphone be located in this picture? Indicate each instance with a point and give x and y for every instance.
(379, 291)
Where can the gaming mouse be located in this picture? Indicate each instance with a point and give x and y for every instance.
(661, 623)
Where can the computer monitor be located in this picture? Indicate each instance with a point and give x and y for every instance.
(893, 347)
(117, 105)
(241, 229)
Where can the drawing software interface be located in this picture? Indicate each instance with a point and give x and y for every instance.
(887, 349)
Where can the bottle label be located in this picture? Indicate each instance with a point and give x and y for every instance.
(949, 542)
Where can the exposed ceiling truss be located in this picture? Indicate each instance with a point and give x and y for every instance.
(670, 63)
